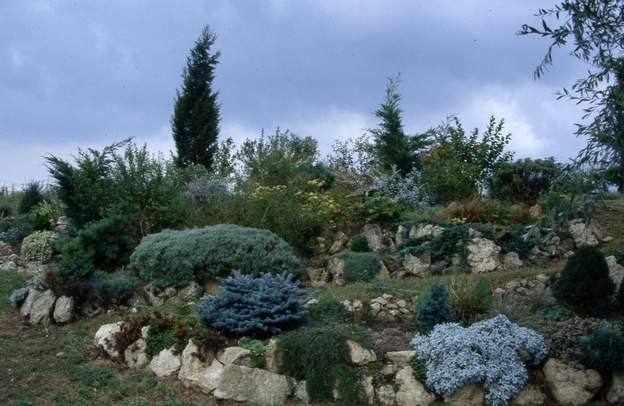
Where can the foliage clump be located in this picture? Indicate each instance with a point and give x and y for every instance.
(39, 246)
(471, 298)
(118, 289)
(254, 306)
(360, 244)
(435, 309)
(525, 180)
(177, 257)
(584, 283)
(603, 351)
(359, 266)
(321, 357)
(491, 352)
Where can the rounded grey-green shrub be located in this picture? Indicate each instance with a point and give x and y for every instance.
(177, 257)
(39, 246)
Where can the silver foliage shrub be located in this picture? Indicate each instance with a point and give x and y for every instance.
(205, 189)
(402, 189)
(491, 352)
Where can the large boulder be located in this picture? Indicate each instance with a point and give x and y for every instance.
(165, 363)
(63, 309)
(417, 265)
(583, 234)
(411, 392)
(272, 359)
(401, 235)
(106, 338)
(254, 386)
(335, 267)
(374, 236)
(201, 372)
(483, 255)
(359, 354)
(570, 386)
(42, 308)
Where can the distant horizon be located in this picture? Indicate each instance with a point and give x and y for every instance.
(87, 75)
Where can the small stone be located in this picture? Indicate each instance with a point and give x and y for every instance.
(400, 358)
(9, 266)
(369, 389)
(203, 374)
(616, 392)
(32, 296)
(469, 395)
(374, 236)
(63, 309)
(165, 363)
(483, 255)
(386, 395)
(235, 355)
(531, 395)
(106, 340)
(512, 261)
(360, 355)
(272, 359)
(190, 293)
(301, 392)
(18, 297)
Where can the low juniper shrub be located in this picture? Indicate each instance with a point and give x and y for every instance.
(117, 289)
(491, 352)
(585, 284)
(327, 311)
(177, 257)
(360, 244)
(603, 351)
(320, 356)
(435, 309)
(359, 266)
(254, 306)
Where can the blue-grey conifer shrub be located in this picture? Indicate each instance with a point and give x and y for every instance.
(254, 306)
(491, 352)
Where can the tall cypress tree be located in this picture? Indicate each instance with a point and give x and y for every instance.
(393, 148)
(195, 121)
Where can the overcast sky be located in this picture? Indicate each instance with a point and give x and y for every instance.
(89, 73)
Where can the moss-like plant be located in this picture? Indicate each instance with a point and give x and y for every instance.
(328, 311)
(321, 357)
(584, 283)
(360, 244)
(359, 266)
(177, 257)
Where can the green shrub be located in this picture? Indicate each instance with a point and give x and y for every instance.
(321, 357)
(175, 258)
(44, 215)
(360, 244)
(105, 244)
(471, 298)
(379, 209)
(525, 180)
(164, 332)
(118, 290)
(603, 351)
(435, 309)
(359, 266)
(39, 246)
(32, 197)
(6, 209)
(584, 283)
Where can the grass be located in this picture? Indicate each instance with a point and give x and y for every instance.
(58, 366)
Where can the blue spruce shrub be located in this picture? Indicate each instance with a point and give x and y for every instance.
(177, 257)
(492, 352)
(254, 306)
(435, 310)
